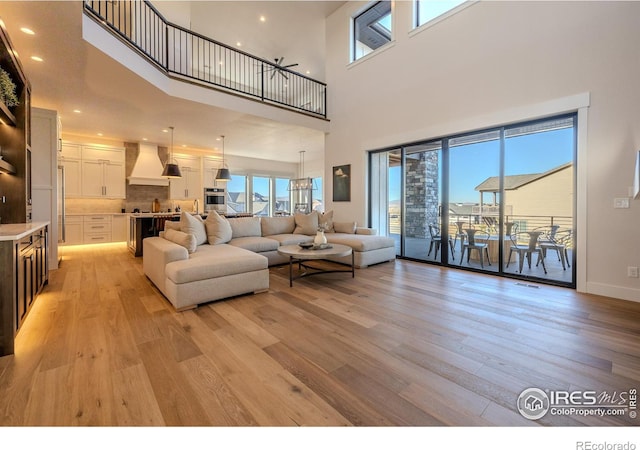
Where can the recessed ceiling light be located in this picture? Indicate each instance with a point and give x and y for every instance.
(165, 131)
(37, 58)
(184, 145)
(100, 134)
(26, 30)
(263, 19)
(144, 139)
(308, 72)
(239, 44)
(77, 111)
(218, 139)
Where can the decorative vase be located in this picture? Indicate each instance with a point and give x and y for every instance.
(320, 238)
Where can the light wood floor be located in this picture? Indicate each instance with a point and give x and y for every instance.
(401, 344)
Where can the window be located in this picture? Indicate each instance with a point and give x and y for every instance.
(283, 199)
(318, 199)
(427, 10)
(237, 194)
(372, 29)
(261, 196)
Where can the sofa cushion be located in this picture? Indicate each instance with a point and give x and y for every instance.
(345, 227)
(306, 223)
(224, 260)
(277, 225)
(218, 229)
(255, 243)
(361, 243)
(245, 226)
(325, 221)
(290, 239)
(186, 240)
(194, 225)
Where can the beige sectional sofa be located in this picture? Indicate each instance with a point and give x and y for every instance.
(195, 261)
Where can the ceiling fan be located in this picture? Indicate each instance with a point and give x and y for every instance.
(279, 66)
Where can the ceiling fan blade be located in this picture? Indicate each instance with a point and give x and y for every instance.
(290, 65)
(273, 74)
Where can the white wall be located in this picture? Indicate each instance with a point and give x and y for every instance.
(494, 63)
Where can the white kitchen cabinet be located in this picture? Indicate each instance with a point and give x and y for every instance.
(96, 228)
(119, 228)
(189, 186)
(210, 170)
(103, 172)
(73, 230)
(45, 134)
(70, 159)
(103, 179)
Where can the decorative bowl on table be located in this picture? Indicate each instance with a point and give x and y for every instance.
(306, 245)
(321, 246)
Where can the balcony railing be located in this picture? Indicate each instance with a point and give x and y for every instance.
(184, 54)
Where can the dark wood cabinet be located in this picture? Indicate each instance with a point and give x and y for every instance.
(15, 139)
(25, 273)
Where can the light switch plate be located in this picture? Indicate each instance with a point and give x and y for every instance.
(622, 202)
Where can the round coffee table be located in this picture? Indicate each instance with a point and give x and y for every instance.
(301, 255)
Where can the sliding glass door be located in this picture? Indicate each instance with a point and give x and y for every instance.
(497, 201)
(474, 165)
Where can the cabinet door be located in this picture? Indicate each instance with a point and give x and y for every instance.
(119, 228)
(72, 178)
(92, 179)
(178, 186)
(194, 189)
(114, 180)
(209, 177)
(73, 231)
(26, 292)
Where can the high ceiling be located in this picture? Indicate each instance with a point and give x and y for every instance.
(114, 101)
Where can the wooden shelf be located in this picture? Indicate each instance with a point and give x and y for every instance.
(7, 116)
(6, 167)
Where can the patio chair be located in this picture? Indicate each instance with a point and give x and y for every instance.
(526, 250)
(436, 241)
(476, 240)
(558, 241)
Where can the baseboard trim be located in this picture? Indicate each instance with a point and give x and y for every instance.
(609, 290)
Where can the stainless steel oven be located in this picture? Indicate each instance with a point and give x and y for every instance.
(215, 199)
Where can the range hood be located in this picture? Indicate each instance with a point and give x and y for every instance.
(147, 169)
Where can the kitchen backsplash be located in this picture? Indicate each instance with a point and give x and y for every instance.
(95, 206)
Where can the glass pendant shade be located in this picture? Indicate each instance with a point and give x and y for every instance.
(171, 169)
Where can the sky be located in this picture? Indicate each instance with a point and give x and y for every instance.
(472, 164)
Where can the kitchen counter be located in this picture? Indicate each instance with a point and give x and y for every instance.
(16, 231)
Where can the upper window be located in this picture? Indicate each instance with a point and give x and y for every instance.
(372, 29)
(427, 10)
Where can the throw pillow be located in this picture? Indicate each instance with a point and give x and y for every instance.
(218, 229)
(194, 225)
(245, 227)
(277, 225)
(306, 223)
(345, 227)
(172, 225)
(325, 221)
(187, 240)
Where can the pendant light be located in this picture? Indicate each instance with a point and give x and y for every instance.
(171, 169)
(223, 173)
(303, 183)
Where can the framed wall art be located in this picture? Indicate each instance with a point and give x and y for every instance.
(342, 183)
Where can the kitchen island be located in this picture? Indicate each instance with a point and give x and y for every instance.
(24, 251)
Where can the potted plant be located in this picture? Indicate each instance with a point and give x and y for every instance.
(8, 89)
